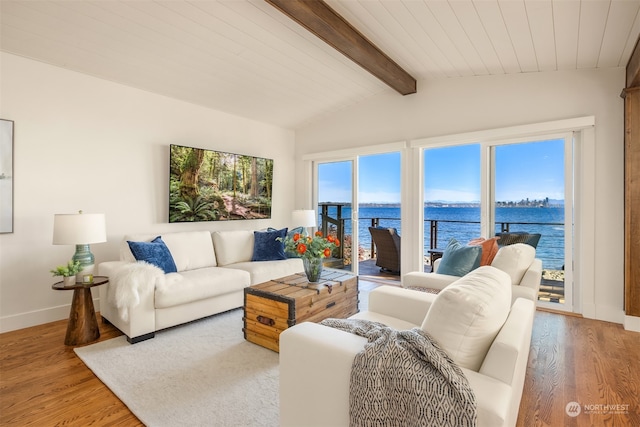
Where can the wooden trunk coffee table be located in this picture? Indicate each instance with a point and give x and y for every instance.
(272, 307)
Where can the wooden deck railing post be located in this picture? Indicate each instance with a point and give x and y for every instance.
(338, 222)
(375, 222)
(341, 237)
(433, 242)
(325, 220)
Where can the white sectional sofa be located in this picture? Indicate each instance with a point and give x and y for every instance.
(212, 270)
(486, 335)
(518, 261)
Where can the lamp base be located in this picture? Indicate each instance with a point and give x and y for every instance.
(86, 258)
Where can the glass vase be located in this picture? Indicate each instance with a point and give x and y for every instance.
(313, 269)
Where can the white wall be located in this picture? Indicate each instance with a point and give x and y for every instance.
(454, 106)
(85, 143)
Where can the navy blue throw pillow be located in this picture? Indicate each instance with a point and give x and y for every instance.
(459, 259)
(266, 247)
(154, 252)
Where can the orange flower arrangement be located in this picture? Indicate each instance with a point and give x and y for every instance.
(311, 247)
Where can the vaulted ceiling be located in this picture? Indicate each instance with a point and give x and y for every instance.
(247, 58)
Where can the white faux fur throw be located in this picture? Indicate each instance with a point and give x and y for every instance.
(132, 281)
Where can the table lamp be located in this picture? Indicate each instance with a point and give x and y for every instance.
(303, 218)
(81, 230)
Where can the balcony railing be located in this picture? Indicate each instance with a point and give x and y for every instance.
(441, 231)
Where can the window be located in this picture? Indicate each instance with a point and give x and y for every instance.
(477, 171)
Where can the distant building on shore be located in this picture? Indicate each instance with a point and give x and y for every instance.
(524, 203)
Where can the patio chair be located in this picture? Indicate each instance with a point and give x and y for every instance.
(530, 239)
(387, 243)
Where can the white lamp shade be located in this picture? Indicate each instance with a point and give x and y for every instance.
(79, 229)
(303, 218)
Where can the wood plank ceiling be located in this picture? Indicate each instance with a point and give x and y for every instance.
(246, 58)
(328, 25)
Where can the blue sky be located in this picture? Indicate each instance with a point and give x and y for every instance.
(379, 180)
(534, 170)
(530, 170)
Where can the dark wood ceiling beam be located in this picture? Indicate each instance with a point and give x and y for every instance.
(633, 67)
(321, 20)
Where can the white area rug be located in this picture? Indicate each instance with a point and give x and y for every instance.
(200, 374)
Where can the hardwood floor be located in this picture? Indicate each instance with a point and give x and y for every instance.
(593, 363)
(44, 383)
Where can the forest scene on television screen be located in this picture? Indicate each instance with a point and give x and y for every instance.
(207, 185)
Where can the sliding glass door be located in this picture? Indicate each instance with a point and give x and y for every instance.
(371, 183)
(379, 207)
(336, 184)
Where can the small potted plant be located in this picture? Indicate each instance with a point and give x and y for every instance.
(68, 272)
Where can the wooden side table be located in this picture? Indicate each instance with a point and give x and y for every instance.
(83, 325)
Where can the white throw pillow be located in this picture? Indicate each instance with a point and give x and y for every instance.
(467, 315)
(233, 246)
(514, 260)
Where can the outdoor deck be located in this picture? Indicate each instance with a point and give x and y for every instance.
(550, 290)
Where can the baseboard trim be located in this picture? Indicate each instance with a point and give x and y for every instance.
(603, 312)
(632, 323)
(37, 317)
(589, 310)
(564, 313)
(609, 314)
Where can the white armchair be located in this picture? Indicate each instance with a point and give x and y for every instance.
(316, 360)
(517, 260)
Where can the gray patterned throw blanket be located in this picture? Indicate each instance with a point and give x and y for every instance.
(403, 378)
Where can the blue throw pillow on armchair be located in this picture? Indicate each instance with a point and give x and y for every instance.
(266, 247)
(459, 259)
(154, 252)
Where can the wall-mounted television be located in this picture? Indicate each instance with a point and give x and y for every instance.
(208, 185)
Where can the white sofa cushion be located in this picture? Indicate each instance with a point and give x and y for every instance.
(233, 246)
(514, 260)
(202, 283)
(467, 315)
(263, 271)
(189, 249)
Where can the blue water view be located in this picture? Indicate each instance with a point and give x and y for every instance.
(463, 224)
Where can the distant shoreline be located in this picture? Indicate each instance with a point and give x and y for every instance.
(510, 204)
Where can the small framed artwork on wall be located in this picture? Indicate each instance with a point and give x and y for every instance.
(6, 176)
